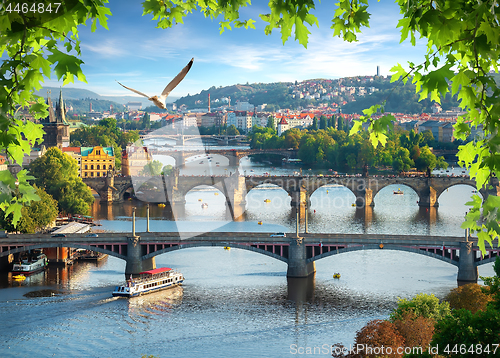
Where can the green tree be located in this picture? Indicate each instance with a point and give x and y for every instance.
(167, 169)
(232, 130)
(401, 160)
(35, 217)
(425, 160)
(57, 173)
(340, 123)
(270, 122)
(463, 329)
(427, 138)
(427, 306)
(153, 168)
(493, 284)
(314, 126)
(323, 123)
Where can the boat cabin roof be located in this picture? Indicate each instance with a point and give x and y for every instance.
(158, 270)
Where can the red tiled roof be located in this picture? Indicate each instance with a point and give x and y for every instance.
(72, 149)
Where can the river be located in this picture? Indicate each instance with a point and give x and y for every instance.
(234, 303)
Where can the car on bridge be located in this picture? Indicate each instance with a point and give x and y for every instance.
(92, 235)
(59, 235)
(279, 234)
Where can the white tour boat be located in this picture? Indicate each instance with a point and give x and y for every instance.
(31, 263)
(150, 281)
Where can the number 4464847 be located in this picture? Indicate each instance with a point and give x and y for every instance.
(473, 348)
(35, 7)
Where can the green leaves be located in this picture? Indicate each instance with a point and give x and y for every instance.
(378, 128)
(349, 17)
(30, 45)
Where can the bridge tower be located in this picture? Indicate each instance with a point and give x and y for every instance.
(107, 192)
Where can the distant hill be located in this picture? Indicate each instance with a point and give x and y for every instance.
(83, 94)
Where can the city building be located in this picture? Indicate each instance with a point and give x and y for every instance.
(134, 106)
(240, 119)
(282, 126)
(134, 159)
(97, 161)
(75, 153)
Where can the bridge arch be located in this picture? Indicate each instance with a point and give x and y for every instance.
(216, 244)
(444, 189)
(123, 191)
(338, 195)
(450, 258)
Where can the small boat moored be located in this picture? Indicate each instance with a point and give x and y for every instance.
(336, 275)
(30, 263)
(204, 205)
(149, 281)
(398, 192)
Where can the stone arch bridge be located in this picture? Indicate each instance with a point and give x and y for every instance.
(173, 189)
(298, 252)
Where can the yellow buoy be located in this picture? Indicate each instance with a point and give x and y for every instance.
(260, 223)
(227, 248)
(336, 275)
(200, 199)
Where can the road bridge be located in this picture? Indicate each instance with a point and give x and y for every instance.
(299, 251)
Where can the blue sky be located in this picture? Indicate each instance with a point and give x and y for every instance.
(138, 55)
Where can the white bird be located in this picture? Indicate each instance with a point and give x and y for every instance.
(160, 101)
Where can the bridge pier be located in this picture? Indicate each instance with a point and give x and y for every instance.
(363, 192)
(428, 197)
(234, 161)
(300, 201)
(135, 264)
(234, 189)
(179, 140)
(467, 269)
(297, 256)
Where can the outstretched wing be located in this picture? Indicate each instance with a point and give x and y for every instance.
(177, 79)
(133, 90)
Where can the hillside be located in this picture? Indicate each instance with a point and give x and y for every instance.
(80, 99)
(353, 95)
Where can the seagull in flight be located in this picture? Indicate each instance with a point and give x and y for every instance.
(160, 101)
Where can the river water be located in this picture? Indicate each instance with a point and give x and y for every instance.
(234, 303)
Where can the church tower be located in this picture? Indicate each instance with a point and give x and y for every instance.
(55, 125)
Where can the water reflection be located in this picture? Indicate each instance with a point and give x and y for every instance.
(156, 303)
(301, 290)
